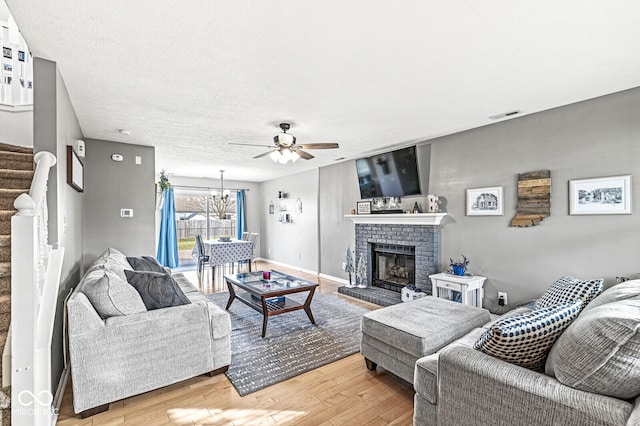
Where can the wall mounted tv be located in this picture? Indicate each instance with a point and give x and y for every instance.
(391, 174)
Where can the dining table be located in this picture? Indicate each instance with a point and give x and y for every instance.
(223, 252)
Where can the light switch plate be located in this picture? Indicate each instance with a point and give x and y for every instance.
(126, 212)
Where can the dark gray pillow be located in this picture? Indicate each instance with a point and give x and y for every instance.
(146, 263)
(157, 290)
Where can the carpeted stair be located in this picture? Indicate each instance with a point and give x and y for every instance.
(16, 174)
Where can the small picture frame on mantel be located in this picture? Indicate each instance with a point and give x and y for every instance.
(363, 207)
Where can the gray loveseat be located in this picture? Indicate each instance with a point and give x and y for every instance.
(597, 355)
(119, 349)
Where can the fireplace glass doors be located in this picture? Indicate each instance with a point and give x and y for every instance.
(393, 266)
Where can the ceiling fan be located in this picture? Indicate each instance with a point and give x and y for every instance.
(285, 148)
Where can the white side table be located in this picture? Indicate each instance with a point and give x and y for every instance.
(469, 286)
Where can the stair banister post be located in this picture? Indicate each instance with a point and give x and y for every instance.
(30, 253)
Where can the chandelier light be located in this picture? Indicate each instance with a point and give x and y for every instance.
(224, 194)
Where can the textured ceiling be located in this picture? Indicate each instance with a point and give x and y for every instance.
(190, 77)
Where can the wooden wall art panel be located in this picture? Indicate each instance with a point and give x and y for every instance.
(534, 198)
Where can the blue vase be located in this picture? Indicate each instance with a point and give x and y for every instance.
(458, 270)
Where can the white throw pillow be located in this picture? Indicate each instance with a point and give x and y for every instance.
(527, 339)
(567, 289)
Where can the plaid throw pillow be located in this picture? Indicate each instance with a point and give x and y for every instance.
(567, 289)
(527, 339)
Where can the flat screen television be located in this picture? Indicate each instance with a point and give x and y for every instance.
(391, 174)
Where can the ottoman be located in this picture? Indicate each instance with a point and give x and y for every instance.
(395, 337)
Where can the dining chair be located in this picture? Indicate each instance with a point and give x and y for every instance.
(203, 259)
(253, 237)
(245, 236)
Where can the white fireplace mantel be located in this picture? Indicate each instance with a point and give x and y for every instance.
(432, 219)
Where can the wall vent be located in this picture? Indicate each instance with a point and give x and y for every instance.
(504, 115)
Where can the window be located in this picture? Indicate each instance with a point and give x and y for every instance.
(197, 212)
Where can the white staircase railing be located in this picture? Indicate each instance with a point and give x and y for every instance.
(35, 279)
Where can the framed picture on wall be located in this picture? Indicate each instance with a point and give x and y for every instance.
(75, 170)
(607, 195)
(485, 201)
(363, 207)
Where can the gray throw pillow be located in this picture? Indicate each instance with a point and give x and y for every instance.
(158, 290)
(598, 353)
(146, 263)
(110, 295)
(622, 291)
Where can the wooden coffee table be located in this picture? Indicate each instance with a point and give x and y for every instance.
(269, 296)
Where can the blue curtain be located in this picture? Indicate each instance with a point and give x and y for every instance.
(241, 207)
(168, 244)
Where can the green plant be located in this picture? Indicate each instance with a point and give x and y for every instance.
(164, 181)
(464, 262)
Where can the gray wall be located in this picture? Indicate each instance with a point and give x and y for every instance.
(594, 138)
(296, 243)
(55, 126)
(338, 195)
(111, 186)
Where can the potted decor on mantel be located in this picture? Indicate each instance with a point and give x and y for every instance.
(459, 265)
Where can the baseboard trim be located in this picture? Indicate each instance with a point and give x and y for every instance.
(306, 271)
(286, 265)
(57, 399)
(332, 278)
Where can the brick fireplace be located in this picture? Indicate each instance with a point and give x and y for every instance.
(411, 243)
(423, 238)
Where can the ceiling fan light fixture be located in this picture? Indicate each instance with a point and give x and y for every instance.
(285, 139)
(286, 156)
(275, 155)
(286, 150)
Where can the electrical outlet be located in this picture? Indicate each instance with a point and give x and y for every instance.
(269, 250)
(299, 256)
(502, 295)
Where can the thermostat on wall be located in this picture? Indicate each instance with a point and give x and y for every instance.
(126, 212)
(80, 148)
(117, 157)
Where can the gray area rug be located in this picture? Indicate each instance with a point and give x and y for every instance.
(292, 345)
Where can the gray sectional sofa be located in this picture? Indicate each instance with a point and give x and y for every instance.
(591, 377)
(118, 348)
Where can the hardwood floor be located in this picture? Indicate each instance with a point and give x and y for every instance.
(341, 393)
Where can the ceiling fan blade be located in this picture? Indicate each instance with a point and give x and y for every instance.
(319, 146)
(265, 154)
(250, 144)
(304, 154)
